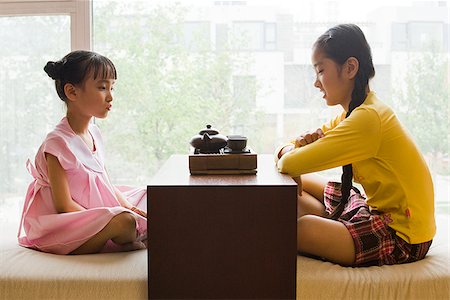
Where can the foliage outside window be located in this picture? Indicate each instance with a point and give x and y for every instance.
(182, 66)
(243, 66)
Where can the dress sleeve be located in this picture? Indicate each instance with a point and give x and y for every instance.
(57, 147)
(354, 139)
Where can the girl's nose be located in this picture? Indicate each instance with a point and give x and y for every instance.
(110, 97)
(317, 83)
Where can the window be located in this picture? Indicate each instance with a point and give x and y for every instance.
(197, 36)
(244, 91)
(22, 96)
(183, 64)
(270, 36)
(32, 34)
(257, 53)
(252, 33)
(418, 36)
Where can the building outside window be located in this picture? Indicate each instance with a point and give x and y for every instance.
(243, 66)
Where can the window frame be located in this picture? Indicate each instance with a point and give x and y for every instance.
(80, 13)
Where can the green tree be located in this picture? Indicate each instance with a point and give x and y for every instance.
(423, 104)
(168, 88)
(29, 105)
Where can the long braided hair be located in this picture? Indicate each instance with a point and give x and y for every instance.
(338, 44)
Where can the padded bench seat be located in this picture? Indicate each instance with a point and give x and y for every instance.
(29, 274)
(425, 279)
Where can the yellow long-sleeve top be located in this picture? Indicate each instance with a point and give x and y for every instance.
(385, 161)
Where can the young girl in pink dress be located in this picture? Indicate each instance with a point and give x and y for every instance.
(71, 207)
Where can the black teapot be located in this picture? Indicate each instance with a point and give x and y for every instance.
(209, 140)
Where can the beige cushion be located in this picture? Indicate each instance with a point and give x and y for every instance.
(29, 274)
(425, 279)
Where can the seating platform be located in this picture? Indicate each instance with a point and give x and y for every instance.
(30, 274)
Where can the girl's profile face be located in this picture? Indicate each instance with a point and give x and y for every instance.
(95, 96)
(336, 88)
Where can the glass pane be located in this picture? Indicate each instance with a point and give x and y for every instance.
(244, 66)
(252, 33)
(29, 106)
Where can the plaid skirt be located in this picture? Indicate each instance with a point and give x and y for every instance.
(375, 242)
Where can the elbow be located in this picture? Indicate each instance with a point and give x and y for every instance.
(281, 167)
(288, 171)
(64, 208)
(61, 209)
(286, 168)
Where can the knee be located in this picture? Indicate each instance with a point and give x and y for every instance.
(303, 225)
(309, 205)
(306, 232)
(124, 221)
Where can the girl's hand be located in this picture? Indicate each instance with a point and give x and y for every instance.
(308, 138)
(299, 185)
(138, 211)
(285, 150)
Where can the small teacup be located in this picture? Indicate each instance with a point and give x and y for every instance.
(237, 142)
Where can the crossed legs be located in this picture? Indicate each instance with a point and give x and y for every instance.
(316, 234)
(121, 230)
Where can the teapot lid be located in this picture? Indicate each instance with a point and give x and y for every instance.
(209, 130)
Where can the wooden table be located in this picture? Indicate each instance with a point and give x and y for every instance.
(222, 236)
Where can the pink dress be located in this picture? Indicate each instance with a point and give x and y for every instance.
(89, 186)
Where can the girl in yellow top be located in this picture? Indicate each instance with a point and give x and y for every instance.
(395, 222)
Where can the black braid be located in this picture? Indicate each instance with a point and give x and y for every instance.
(358, 97)
(340, 43)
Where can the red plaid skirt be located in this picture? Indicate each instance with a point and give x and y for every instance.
(375, 242)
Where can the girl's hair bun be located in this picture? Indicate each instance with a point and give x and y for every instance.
(53, 69)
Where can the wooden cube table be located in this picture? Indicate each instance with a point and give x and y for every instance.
(222, 236)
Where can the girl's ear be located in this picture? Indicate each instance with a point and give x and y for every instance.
(70, 91)
(352, 67)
